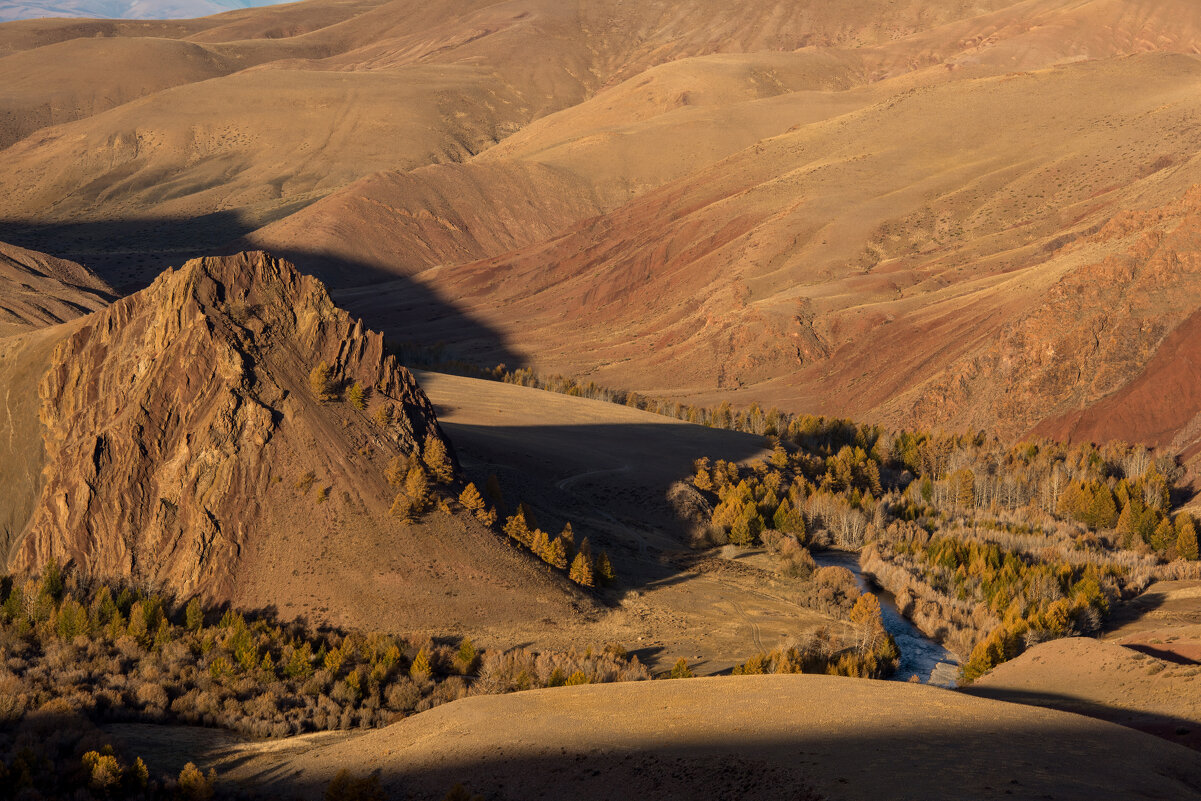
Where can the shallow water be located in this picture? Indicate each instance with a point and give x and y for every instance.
(920, 655)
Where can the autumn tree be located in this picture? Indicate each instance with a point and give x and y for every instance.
(421, 669)
(1164, 535)
(194, 615)
(581, 570)
(604, 569)
(1186, 536)
(417, 487)
(866, 617)
(518, 529)
(357, 396)
(557, 553)
(747, 526)
(779, 456)
(568, 537)
(681, 670)
(194, 785)
(540, 544)
(437, 459)
(964, 482)
(474, 502)
(321, 381)
(397, 470)
(385, 414)
(402, 507)
(788, 519)
(492, 490)
(467, 658)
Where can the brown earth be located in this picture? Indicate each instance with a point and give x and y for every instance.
(1163, 622)
(725, 737)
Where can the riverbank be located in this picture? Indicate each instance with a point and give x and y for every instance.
(920, 655)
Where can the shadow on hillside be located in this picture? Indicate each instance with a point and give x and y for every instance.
(977, 760)
(1181, 731)
(609, 480)
(1134, 609)
(129, 254)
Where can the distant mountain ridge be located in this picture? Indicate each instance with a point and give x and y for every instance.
(123, 9)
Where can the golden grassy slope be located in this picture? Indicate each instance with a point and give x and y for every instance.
(776, 736)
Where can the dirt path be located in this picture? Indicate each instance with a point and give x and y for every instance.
(756, 631)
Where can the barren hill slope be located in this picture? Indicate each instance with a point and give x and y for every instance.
(41, 300)
(894, 211)
(894, 231)
(38, 290)
(183, 447)
(801, 736)
(841, 252)
(328, 93)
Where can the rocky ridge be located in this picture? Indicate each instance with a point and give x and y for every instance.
(169, 416)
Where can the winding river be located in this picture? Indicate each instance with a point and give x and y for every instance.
(920, 655)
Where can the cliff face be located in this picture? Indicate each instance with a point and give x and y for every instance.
(170, 416)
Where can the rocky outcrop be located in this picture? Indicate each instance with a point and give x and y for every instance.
(172, 414)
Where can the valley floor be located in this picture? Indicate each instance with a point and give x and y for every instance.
(607, 469)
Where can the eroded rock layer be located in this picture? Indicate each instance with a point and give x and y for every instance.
(170, 414)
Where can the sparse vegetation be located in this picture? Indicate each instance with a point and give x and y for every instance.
(113, 653)
(437, 459)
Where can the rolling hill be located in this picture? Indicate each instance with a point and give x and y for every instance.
(690, 200)
(777, 736)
